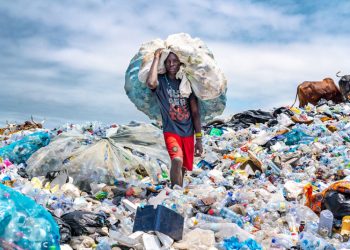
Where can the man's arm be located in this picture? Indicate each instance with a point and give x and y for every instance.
(152, 78)
(196, 118)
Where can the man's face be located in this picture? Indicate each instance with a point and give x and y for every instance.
(172, 63)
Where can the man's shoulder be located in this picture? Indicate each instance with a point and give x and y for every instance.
(161, 77)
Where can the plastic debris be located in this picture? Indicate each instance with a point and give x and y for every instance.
(267, 180)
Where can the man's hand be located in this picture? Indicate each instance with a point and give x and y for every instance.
(158, 53)
(198, 148)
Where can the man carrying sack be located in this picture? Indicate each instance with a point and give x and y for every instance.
(180, 117)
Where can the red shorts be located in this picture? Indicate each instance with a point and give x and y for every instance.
(180, 147)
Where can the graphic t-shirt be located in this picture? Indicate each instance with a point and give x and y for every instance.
(174, 108)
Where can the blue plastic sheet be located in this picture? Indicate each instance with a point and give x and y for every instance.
(20, 151)
(24, 224)
(145, 100)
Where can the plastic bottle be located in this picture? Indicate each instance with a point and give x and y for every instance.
(326, 223)
(281, 242)
(345, 229)
(227, 200)
(232, 216)
(292, 223)
(209, 218)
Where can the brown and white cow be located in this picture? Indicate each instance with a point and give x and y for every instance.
(27, 125)
(313, 91)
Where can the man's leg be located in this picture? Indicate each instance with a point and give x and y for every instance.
(176, 172)
(173, 144)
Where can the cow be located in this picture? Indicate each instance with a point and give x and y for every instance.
(312, 92)
(344, 86)
(27, 125)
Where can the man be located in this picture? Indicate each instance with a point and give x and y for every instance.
(180, 117)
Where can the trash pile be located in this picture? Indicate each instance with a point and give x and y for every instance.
(267, 180)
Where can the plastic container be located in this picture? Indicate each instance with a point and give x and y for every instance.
(345, 229)
(326, 223)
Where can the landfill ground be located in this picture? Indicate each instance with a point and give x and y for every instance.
(266, 180)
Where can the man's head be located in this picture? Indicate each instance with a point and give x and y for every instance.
(172, 64)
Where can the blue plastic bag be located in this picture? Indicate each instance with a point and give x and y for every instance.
(297, 136)
(20, 151)
(234, 244)
(24, 224)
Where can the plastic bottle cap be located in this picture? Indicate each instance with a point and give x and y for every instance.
(211, 211)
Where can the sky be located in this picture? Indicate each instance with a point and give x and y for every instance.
(65, 61)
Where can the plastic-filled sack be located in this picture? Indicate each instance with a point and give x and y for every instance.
(51, 157)
(20, 151)
(82, 222)
(199, 70)
(134, 148)
(143, 138)
(198, 73)
(24, 224)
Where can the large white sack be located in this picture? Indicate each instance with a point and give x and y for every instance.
(198, 64)
(199, 72)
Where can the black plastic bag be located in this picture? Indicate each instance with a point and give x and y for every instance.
(247, 118)
(65, 230)
(81, 222)
(338, 203)
(283, 110)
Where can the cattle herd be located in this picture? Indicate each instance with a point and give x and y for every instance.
(313, 91)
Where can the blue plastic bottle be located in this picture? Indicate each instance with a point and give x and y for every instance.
(232, 216)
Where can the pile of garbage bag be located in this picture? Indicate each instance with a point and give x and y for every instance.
(199, 72)
(260, 185)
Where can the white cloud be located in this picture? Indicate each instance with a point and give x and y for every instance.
(98, 39)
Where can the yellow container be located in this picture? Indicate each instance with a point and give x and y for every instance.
(345, 228)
